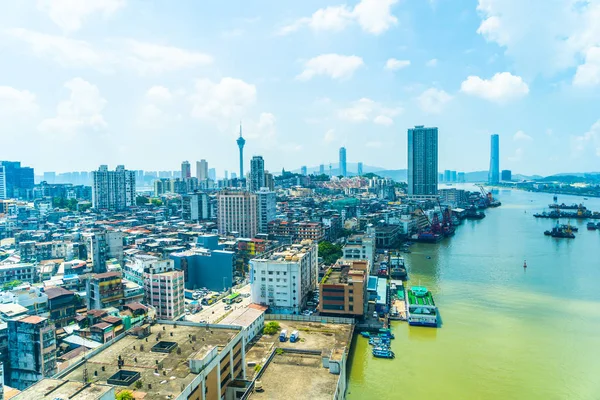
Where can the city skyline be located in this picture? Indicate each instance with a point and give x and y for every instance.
(342, 77)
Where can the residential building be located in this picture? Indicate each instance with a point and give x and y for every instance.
(342, 291)
(304, 170)
(494, 174)
(25, 272)
(32, 351)
(360, 247)
(453, 196)
(212, 174)
(343, 170)
(196, 207)
(161, 186)
(269, 181)
(257, 174)
(186, 170)
(61, 305)
(18, 180)
(3, 191)
(113, 190)
(103, 246)
(461, 177)
(163, 290)
(202, 170)
(506, 175)
(321, 169)
(104, 290)
(237, 212)
(207, 266)
(310, 231)
(359, 169)
(266, 205)
(422, 161)
(283, 279)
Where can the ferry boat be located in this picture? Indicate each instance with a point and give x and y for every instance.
(383, 353)
(397, 267)
(422, 310)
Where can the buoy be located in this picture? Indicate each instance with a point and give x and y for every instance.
(525, 264)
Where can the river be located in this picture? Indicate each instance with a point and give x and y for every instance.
(508, 333)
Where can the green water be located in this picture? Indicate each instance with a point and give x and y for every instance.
(507, 333)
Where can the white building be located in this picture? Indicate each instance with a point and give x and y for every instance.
(237, 213)
(202, 170)
(113, 190)
(164, 292)
(267, 209)
(360, 247)
(283, 279)
(2, 183)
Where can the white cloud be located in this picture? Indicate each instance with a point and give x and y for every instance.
(70, 14)
(335, 66)
(146, 58)
(223, 102)
(589, 140)
(329, 136)
(431, 63)
(588, 74)
(383, 120)
(374, 144)
(159, 93)
(373, 16)
(82, 110)
(502, 87)
(64, 51)
(366, 110)
(393, 64)
(14, 101)
(155, 58)
(433, 100)
(522, 136)
(518, 156)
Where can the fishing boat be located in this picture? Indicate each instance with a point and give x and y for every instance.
(383, 353)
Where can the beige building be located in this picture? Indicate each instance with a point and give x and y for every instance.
(237, 212)
(164, 292)
(342, 290)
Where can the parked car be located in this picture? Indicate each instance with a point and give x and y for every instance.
(227, 307)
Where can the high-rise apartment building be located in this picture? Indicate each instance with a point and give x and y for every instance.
(266, 209)
(18, 180)
(321, 169)
(104, 290)
(237, 212)
(113, 190)
(202, 170)
(196, 207)
(2, 183)
(212, 174)
(304, 170)
(31, 351)
(103, 246)
(164, 290)
(257, 174)
(359, 169)
(494, 174)
(269, 181)
(186, 170)
(343, 170)
(283, 279)
(422, 161)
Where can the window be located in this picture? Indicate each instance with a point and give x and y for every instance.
(351, 308)
(263, 279)
(351, 298)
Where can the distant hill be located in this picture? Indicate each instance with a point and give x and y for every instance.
(351, 169)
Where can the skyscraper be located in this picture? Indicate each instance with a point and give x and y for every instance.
(494, 175)
(343, 170)
(269, 181)
(257, 174)
(304, 170)
(212, 174)
(266, 204)
(113, 190)
(422, 161)
(19, 181)
(202, 170)
(241, 142)
(237, 213)
(359, 170)
(322, 169)
(186, 170)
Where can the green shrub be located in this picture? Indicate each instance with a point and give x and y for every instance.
(271, 328)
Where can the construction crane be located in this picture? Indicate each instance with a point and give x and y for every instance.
(488, 198)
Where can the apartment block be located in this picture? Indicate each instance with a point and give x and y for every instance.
(113, 190)
(342, 290)
(164, 292)
(237, 212)
(104, 290)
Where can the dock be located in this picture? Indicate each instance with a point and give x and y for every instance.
(397, 301)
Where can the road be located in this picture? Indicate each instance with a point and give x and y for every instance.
(212, 314)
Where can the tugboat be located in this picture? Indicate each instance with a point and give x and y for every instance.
(559, 232)
(383, 353)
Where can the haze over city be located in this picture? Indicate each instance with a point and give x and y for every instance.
(114, 82)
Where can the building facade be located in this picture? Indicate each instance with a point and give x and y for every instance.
(186, 170)
(257, 174)
(342, 290)
(422, 161)
(237, 212)
(506, 175)
(196, 207)
(359, 169)
(3, 195)
(494, 174)
(283, 279)
(163, 290)
(104, 290)
(202, 170)
(103, 246)
(18, 180)
(266, 203)
(113, 190)
(343, 165)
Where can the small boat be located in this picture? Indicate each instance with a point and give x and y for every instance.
(585, 198)
(525, 264)
(365, 334)
(428, 257)
(591, 226)
(383, 353)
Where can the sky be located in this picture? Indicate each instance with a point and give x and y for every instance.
(149, 84)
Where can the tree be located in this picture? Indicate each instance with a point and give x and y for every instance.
(125, 395)
(141, 200)
(156, 202)
(11, 285)
(271, 328)
(330, 252)
(138, 384)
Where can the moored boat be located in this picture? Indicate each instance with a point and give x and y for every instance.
(383, 353)
(422, 310)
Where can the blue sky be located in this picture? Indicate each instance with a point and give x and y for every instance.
(149, 84)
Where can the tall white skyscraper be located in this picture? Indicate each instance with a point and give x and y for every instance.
(343, 170)
(2, 182)
(113, 190)
(266, 209)
(202, 170)
(237, 212)
(422, 161)
(257, 174)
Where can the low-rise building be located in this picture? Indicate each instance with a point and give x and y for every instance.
(25, 272)
(61, 305)
(342, 290)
